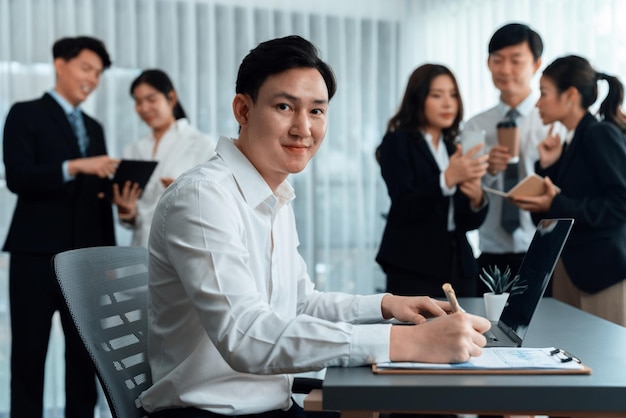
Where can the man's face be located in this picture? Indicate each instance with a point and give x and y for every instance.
(512, 69)
(285, 127)
(78, 77)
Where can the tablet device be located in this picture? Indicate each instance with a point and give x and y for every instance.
(137, 171)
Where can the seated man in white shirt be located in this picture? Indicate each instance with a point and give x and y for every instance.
(232, 311)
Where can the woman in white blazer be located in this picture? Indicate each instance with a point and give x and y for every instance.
(173, 142)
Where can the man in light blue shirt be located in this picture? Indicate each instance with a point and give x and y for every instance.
(57, 164)
(514, 58)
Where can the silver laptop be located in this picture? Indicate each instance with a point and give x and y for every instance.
(535, 272)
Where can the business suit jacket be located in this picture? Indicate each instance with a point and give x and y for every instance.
(52, 215)
(416, 237)
(591, 173)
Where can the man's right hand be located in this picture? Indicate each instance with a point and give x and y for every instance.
(452, 338)
(499, 157)
(101, 166)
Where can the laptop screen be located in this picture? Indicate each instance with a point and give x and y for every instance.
(535, 272)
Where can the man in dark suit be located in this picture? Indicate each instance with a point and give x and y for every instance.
(56, 162)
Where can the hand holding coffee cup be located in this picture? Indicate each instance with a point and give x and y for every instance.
(509, 136)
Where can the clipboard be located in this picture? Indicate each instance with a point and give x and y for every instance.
(531, 185)
(137, 171)
(497, 360)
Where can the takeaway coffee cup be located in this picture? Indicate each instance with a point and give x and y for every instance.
(508, 135)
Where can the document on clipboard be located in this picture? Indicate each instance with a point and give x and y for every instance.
(497, 360)
(531, 185)
(135, 171)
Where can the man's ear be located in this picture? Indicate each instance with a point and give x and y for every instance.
(537, 65)
(241, 106)
(58, 62)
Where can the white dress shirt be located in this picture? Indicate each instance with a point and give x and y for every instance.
(232, 311)
(492, 238)
(440, 154)
(180, 148)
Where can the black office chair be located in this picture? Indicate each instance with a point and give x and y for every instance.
(106, 292)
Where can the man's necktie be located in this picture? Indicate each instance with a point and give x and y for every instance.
(509, 219)
(78, 125)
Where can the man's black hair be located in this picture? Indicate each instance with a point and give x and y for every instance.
(278, 55)
(514, 34)
(68, 48)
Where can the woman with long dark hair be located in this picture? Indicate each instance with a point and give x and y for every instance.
(435, 190)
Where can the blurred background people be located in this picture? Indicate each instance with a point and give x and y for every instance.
(514, 57)
(173, 142)
(611, 107)
(435, 190)
(589, 168)
(56, 163)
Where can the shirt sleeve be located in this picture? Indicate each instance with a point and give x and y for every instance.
(209, 258)
(447, 191)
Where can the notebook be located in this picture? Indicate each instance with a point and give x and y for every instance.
(535, 272)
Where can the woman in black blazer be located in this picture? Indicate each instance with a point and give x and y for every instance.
(435, 190)
(590, 169)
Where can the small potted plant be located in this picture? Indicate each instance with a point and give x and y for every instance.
(502, 284)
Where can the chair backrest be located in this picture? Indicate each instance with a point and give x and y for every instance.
(106, 291)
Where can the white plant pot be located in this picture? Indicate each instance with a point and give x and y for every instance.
(494, 303)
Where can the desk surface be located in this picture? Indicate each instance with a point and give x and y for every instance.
(598, 343)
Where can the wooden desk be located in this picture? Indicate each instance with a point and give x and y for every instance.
(598, 343)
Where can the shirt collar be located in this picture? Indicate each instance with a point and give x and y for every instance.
(253, 186)
(429, 138)
(65, 105)
(524, 108)
(177, 126)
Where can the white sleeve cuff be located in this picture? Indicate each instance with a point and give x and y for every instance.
(370, 344)
(447, 191)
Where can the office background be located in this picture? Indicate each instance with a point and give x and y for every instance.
(373, 45)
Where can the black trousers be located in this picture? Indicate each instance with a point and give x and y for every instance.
(34, 297)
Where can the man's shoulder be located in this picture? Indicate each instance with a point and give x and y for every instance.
(213, 172)
(485, 115)
(23, 112)
(28, 105)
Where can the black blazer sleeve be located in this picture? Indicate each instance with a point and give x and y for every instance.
(592, 176)
(416, 227)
